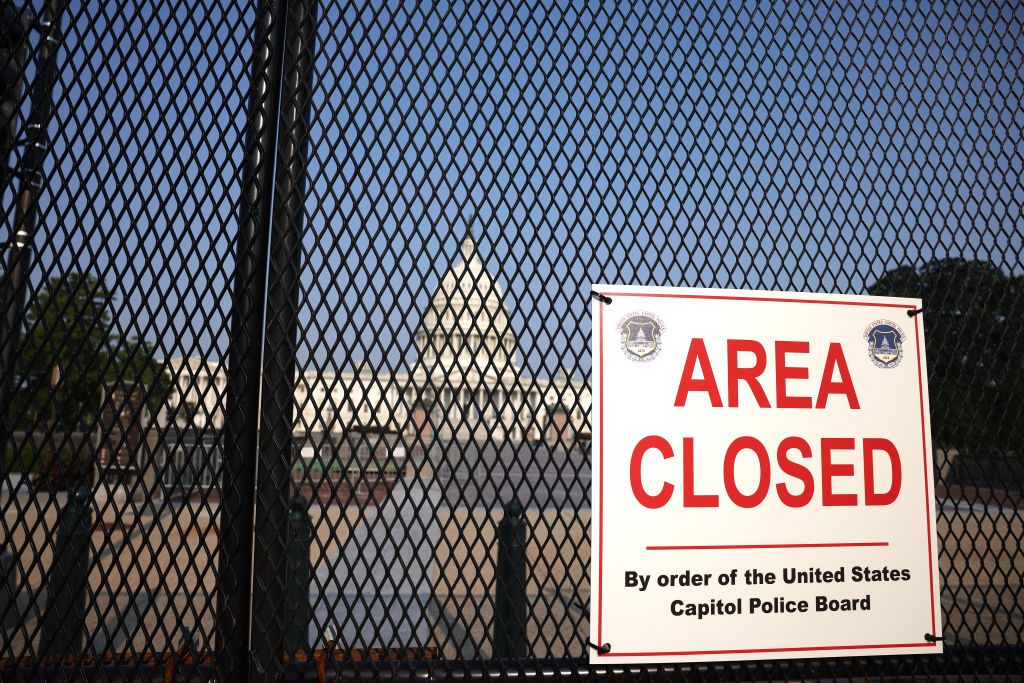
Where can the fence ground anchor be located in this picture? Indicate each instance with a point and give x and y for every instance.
(63, 623)
(510, 587)
(300, 574)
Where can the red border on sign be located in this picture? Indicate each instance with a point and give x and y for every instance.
(600, 471)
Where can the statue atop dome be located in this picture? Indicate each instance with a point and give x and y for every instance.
(468, 246)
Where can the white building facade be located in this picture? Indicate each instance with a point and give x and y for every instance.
(465, 384)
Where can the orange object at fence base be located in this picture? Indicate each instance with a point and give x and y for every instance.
(368, 654)
(163, 659)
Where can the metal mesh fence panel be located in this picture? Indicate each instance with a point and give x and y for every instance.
(124, 232)
(296, 336)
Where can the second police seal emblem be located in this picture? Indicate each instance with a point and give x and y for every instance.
(885, 343)
(641, 336)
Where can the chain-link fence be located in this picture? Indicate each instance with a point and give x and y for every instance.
(296, 337)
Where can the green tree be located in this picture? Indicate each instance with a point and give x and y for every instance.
(185, 412)
(70, 351)
(974, 315)
(64, 353)
(134, 362)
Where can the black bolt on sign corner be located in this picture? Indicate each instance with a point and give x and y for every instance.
(340, 253)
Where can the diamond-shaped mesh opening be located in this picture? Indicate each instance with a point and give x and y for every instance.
(344, 252)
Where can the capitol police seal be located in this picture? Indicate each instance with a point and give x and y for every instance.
(885, 343)
(641, 336)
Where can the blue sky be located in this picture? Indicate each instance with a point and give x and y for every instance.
(745, 145)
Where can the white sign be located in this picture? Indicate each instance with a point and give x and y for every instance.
(762, 477)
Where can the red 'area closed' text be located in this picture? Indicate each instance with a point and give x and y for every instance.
(798, 476)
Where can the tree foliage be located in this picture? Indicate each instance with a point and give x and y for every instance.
(134, 362)
(70, 351)
(974, 316)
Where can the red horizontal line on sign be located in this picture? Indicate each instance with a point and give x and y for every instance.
(764, 546)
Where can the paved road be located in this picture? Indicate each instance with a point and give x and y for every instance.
(472, 475)
(949, 505)
(376, 590)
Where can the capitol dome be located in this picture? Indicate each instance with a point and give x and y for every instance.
(466, 326)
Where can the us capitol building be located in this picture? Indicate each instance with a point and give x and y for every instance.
(465, 385)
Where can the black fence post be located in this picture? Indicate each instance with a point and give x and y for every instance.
(300, 575)
(510, 587)
(277, 399)
(8, 587)
(14, 285)
(261, 366)
(245, 345)
(63, 622)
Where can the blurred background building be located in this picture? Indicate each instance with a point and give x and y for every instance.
(466, 385)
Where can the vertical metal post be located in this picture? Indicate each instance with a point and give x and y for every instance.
(510, 586)
(245, 349)
(63, 622)
(277, 409)
(8, 590)
(300, 574)
(19, 255)
(23, 18)
(261, 372)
